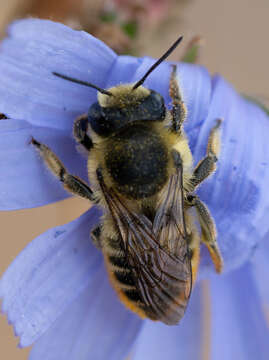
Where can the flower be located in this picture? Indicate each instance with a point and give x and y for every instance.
(56, 293)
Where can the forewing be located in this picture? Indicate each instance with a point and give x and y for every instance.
(170, 230)
(162, 278)
(169, 222)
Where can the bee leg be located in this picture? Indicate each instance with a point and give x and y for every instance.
(71, 183)
(80, 132)
(179, 111)
(208, 229)
(192, 233)
(96, 236)
(207, 165)
(193, 244)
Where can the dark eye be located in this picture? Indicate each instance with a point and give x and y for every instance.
(98, 122)
(153, 106)
(105, 121)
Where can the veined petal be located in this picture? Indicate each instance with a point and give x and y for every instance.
(24, 179)
(239, 330)
(184, 341)
(96, 326)
(48, 275)
(34, 49)
(237, 193)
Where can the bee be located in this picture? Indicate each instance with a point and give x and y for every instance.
(141, 174)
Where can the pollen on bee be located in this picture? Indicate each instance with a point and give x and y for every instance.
(123, 96)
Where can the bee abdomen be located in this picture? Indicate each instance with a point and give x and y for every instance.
(166, 303)
(124, 283)
(121, 271)
(124, 277)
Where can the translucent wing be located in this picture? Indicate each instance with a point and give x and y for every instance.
(162, 272)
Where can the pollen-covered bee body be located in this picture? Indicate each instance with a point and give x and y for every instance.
(141, 175)
(136, 160)
(134, 172)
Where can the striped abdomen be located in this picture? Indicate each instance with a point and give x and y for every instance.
(121, 277)
(166, 305)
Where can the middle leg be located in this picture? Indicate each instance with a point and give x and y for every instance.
(96, 236)
(207, 165)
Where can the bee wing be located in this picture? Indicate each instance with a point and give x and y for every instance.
(170, 230)
(163, 278)
(169, 222)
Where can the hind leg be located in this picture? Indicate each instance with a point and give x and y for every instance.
(193, 244)
(208, 229)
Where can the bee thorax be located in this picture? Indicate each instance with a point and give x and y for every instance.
(136, 159)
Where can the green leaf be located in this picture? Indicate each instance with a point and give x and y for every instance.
(130, 29)
(108, 17)
(191, 55)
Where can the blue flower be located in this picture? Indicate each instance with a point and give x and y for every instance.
(56, 293)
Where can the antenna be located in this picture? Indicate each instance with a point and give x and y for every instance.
(103, 91)
(157, 63)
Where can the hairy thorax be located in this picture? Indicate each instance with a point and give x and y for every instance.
(137, 160)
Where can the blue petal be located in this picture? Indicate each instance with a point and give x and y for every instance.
(24, 179)
(239, 330)
(29, 90)
(184, 341)
(260, 270)
(94, 327)
(48, 275)
(237, 194)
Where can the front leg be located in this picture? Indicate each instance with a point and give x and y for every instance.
(179, 111)
(80, 131)
(208, 229)
(71, 183)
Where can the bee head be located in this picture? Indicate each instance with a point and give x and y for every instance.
(124, 106)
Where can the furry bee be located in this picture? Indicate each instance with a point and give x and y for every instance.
(141, 174)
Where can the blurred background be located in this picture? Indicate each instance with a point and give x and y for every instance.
(233, 39)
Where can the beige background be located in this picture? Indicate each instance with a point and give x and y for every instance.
(236, 33)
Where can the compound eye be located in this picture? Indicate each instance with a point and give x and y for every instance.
(98, 122)
(157, 99)
(155, 106)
